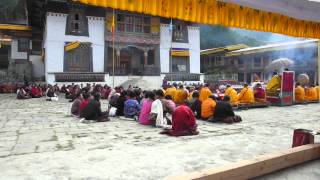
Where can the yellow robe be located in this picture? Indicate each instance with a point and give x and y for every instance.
(204, 94)
(274, 84)
(299, 94)
(318, 90)
(190, 95)
(311, 94)
(232, 94)
(246, 96)
(171, 91)
(181, 96)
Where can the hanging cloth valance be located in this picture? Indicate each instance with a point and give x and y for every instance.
(72, 46)
(180, 52)
(216, 13)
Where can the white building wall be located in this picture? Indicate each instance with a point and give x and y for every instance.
(37, 66)
(193, 45)
(55, 39)
(14, 51)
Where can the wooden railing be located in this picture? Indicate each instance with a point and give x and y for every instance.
(183, 77)
(79, 77)
(146, 71)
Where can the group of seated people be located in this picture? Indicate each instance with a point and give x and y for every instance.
(246, 95)
(306, 94)
(37, 91)
(179, 107)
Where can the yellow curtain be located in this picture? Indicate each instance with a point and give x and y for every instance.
(72, 46)
(215, 12)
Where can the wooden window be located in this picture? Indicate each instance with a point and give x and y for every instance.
(77, 23)
(180, 32)
(257, 62)
(79, 59)
(23, 45)
(136, 24)
(240, 63)
(180, 64)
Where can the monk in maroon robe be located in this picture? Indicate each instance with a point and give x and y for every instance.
(183, 122)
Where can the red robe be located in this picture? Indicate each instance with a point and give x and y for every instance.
(183, 122)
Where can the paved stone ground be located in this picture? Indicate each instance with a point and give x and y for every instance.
(40, 140)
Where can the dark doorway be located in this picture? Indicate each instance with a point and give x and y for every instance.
(4, 56)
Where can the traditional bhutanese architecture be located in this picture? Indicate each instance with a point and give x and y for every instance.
(247, 64)
(85, 40)
(83, 43)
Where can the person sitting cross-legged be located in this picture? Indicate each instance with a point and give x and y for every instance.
(131, 106)
(90, 109)
(183, 122)
(22, 94)
(207, 108)
(144, 117)
(224, 112)
(75, 108)
(195, 104)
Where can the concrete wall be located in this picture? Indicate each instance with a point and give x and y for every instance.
(55, 39)
(14, 51)
(193, 45)
(37, 66)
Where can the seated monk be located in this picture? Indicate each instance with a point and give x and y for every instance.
(21, 94)
(35, 93)
(299, 93)
(259, 94)
(224, 112)
(75, 108)
(207, 108)
(171, 90)
(318, 91)
(205, 92)
(232, 93)
(246, 95)
(311, 94)
(181, 95)
(90, 109)
(274, 84)
(183, 122)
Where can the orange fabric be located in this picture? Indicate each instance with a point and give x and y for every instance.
(171, 91)
(299, 94)
(207, 108)
(232, 93)
(246, 96)
(204, 94)
(311, 94)
(181, 96)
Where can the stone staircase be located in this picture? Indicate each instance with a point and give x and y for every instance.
(141, 83)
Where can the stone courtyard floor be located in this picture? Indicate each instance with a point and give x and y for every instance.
(40, 140)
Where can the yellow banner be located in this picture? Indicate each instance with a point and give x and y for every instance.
(71, 46)
(216, 13)
(180, 53)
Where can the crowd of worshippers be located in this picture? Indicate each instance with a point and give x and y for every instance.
(174, 106)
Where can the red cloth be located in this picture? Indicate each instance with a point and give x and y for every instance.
(260, 93)
(35, 92)
(84, 104)
(183, 122)
(288, 81)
